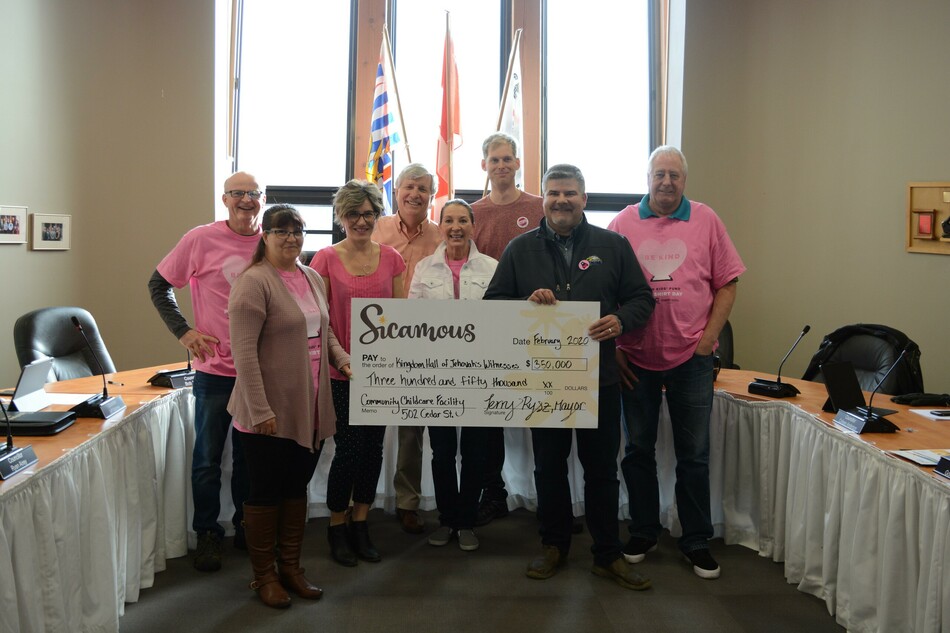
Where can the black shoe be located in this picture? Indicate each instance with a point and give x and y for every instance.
(704, 565)
(208, 553)
(489, 510)
(360, 543)
(340, 545)
(637, 548)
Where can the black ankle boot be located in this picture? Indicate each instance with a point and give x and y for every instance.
(340, 548)
(360, 543)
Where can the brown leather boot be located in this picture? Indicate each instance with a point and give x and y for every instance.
(260, 529)
(293, 520)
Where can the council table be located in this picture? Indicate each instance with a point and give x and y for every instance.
(864, 531)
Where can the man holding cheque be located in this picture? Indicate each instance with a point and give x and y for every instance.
(568, 259)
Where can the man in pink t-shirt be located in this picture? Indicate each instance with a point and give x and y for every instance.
(692, 267)
(208, 259)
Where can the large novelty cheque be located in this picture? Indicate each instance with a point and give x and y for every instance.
(473, 363)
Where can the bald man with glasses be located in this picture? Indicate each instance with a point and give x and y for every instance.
(208, 259)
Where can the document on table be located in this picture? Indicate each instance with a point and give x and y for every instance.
(69, 398)
(923, 457)
(928, 413)
(423, 362)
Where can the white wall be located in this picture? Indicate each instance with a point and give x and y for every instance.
(106, 115)
(804, 121)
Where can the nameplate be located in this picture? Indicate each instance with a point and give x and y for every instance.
(424, 362)
(858, 422)
(16, 460)
(173, 378)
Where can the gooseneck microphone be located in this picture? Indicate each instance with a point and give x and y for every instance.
(776, 388)
(98, 406)
(871, 415)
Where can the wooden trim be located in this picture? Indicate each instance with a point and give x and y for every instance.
(526, 15)
(371, 20)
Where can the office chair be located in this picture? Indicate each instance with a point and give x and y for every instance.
(872, 349)
(50, 333)
(726, 348)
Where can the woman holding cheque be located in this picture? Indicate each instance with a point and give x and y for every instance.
(355, 267)
(282, 342)
(455, 271)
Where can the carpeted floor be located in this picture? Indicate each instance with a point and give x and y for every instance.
(421, 588)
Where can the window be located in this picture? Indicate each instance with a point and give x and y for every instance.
(419, 44)
(590, 92)
(293, 91)
(598, 91)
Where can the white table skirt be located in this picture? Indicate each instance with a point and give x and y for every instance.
(86, 533)
(867, 533)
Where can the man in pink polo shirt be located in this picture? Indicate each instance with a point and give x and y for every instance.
(411, 233)
(692, 267)
(208, 259)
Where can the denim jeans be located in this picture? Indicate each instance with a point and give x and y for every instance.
(212, 423)
(456, 495)
(597, 450)
(689, 395)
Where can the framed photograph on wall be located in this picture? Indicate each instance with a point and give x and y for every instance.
(50, 232)
(13, 225)
(924, 221)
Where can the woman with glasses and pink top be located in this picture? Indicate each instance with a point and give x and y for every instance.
(355, 267)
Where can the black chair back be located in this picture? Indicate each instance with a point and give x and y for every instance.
(872, 349)
(50, 333)
(726, 348)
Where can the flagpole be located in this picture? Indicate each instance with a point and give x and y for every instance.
(402, 124)
(450, 107)
(504, 93)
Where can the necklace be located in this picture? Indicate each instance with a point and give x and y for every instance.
(365, 266)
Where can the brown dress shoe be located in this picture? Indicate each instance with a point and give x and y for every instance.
(621, 573)
(545, 566)
(411, 521)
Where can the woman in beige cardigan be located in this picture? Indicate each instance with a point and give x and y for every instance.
(282, 345)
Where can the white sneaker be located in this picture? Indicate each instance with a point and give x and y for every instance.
(442, 536)
(468, 542)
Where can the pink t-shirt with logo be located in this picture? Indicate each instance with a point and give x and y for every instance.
(209, 258)
(685, 262)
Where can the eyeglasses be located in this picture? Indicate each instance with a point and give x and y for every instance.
(284, 234)
(367, 216)
(237, 194)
